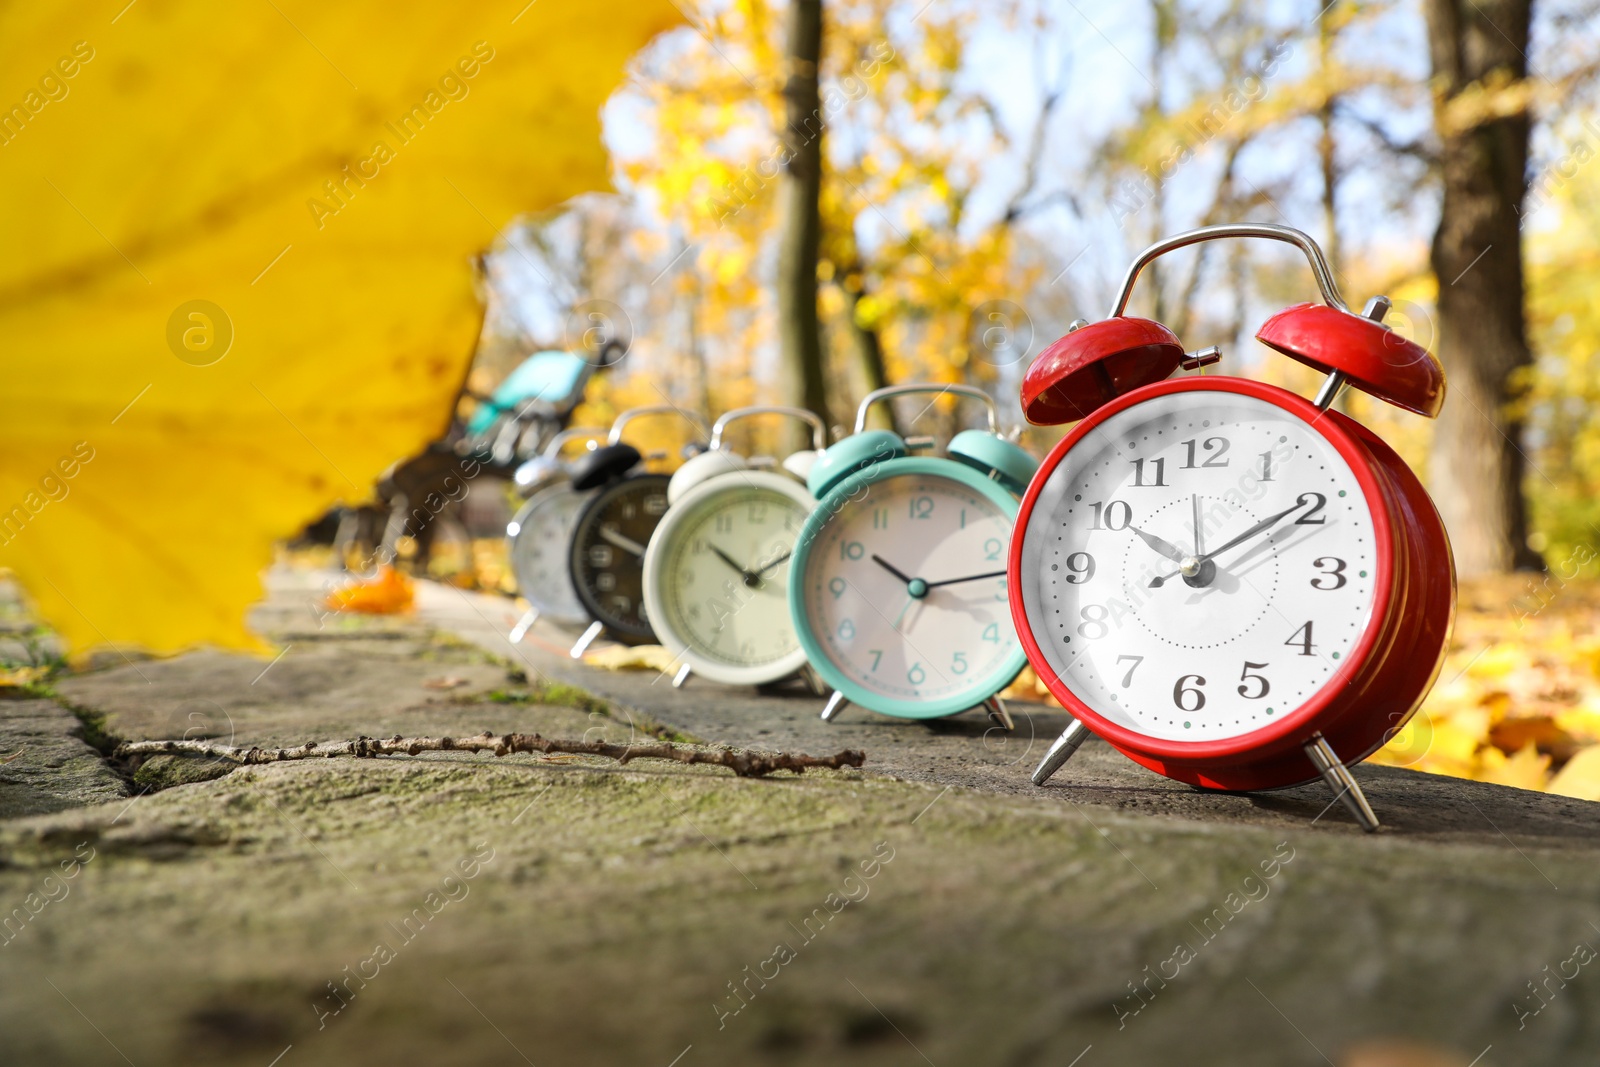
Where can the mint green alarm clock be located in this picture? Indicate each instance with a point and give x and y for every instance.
(898, 581)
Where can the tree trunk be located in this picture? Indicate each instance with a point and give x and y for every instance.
(868, 348)
(1478, 465)
(799, 333)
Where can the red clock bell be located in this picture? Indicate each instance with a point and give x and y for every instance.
(1232, 585)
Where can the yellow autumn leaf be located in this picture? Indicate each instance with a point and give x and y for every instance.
(389, 593)
(21, 677)
(1496, 661)
(236, 278)
(1580, 777)
(633, 658)
(1582, 722)
(1524, 769)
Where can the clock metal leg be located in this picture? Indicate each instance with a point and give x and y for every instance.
(595, 630)
(1065, 746)
(524, 624)
(836, 704)
(998, 711)
(813, 679)
(682, 676)
(1341, 781)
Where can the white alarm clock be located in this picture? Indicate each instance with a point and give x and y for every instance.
(716, 571)
(537, 536)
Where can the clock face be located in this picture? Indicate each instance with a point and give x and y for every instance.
(539, 535)
(904, 590)
(724, 579)
(1266, 516)
(607, 552)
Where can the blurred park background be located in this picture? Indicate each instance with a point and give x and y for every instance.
(807, 200)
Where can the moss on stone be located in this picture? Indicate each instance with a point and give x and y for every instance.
(164, 772)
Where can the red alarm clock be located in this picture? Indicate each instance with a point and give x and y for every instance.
(1232, 585)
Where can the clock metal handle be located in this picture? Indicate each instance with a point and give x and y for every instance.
(819, 432)
(904, 390)
(1266, 230)
(573, 433)
(628, 416)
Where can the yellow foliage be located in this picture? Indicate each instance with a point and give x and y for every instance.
(320, 175)
(1524, 769)
(1496, 97)
(1580, 777)
(1496, 661)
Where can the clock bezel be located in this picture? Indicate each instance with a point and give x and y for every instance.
(656, 577)
(532, 508)
(1180, 759)
(829, 506)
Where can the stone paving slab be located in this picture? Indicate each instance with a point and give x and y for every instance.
(45, 765)
(968, 751)
(319, 912)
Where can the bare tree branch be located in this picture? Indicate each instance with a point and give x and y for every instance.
(1050, 95)
(743, 762)
(1415, 149)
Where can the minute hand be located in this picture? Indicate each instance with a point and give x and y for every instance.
(1270, 520)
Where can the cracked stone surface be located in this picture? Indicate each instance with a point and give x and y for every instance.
(44, 764)
(931, 908)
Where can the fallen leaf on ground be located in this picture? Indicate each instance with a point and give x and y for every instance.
(449, 681)
(22, 676)
(1399, 1052)
(633, 658)
(390, 593)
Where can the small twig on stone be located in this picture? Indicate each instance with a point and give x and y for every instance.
(743, 762)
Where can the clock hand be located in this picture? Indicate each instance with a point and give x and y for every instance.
(968, 578)
(1199, 562)
(627, 544)
(1166, 548)
(890, 567)
(1270, 520)
(1199, 536)
(724, 557)
(773, 563)
(751, 578)
(898, 619)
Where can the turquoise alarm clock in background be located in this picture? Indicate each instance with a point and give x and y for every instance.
(898, 582)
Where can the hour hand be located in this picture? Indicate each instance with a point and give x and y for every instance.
(751, 578)
(891, 568)
(1166, 548)
(724, 557)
